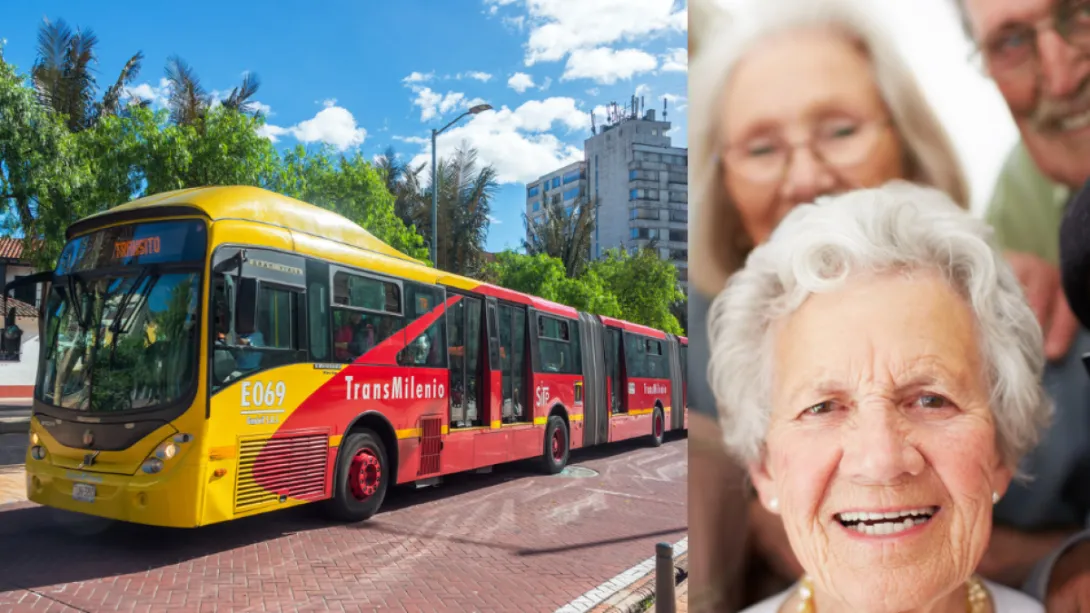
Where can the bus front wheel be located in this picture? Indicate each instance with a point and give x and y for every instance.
(555, 455)
(658, 427)
(363, 475)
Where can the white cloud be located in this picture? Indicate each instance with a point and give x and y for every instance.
(156, 94)
(517, 142)
(332, 125)
(676, 60)
(563, 26)
(433, 104)
(416, 140)
(418, 77)
(606, 66)
(494, 220)
(520, 82)
(546, 83)
(642, 89)
(594, 91)
(483, 77)
(515, 23)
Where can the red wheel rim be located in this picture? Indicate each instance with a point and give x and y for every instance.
(658, 425)
(558, 445)
(364, 474)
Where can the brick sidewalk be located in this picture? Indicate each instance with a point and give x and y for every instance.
(509, 541)
(683, 597)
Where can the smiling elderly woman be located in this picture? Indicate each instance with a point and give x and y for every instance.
(877, 369)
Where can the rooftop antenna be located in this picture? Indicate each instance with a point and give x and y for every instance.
(643, 106)
(664, 101)
(593, 128)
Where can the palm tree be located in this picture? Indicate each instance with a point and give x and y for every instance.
(562, 235)
(63, 78)
(189, 102)
(466, 191)
(403, 181)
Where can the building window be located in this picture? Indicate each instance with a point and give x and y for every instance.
(537, 205)
(556, 182)
(572, 176)
(533, 191)
(678, 216)
(632, 195)
(680, 236)
(654, 132)
(572, 193)
(633, 174)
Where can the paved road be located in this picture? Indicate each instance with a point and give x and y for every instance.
(510, 541)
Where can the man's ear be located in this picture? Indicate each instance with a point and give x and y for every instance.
(765, 486)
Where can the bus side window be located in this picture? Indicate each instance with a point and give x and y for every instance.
(429, 347)
(318, 310)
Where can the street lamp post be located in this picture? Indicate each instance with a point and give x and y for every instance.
(435, 178)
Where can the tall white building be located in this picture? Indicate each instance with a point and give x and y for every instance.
(567, 185)
(639, 181)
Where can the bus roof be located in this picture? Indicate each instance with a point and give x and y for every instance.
(631, 327)
(259, 205)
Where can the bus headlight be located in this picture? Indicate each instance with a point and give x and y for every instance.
(165, 452)
(34, 440)
(152, 465)
(37, 452)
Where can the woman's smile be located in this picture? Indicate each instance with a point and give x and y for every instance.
(890, 523)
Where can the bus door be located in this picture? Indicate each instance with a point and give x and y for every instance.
(467, 404)
(614, 359)
(512, 333)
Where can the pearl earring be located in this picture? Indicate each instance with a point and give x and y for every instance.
(995, 497)
(774, 504)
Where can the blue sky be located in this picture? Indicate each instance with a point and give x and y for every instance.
(367, 75)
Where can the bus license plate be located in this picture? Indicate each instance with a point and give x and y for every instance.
(83, 492)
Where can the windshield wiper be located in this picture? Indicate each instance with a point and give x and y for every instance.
(73, 297)
(120, 321)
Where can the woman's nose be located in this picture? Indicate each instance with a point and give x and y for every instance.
(806, 177)
(878, 449)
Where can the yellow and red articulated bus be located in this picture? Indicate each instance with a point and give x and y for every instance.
(221, 352)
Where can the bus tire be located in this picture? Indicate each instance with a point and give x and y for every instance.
(658, 427)
(363, 476)
(557, 448)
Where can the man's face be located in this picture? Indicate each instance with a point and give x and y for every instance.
(1043, 75)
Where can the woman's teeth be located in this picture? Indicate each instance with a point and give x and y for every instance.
(877, 524)
(1075, 122)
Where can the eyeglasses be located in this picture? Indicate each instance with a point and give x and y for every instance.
(1013, 49)
(765, 159)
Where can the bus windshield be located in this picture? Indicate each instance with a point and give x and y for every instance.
(122, 327)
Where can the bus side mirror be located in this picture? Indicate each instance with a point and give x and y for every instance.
(245, 306)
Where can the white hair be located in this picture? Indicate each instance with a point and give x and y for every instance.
(718, 244)
(898, 227)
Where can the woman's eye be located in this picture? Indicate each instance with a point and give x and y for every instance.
(933, 401)
(841, 131)
(760, 149)
(819, 408)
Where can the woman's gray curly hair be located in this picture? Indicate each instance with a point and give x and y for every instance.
(898, 227)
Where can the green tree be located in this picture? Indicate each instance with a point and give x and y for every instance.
(562, 235)
(543, 276)
(40, 169)
(466, 191)
(350, 186)
(64, 80)
(645, 286)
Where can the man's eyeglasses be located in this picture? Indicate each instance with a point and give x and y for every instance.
(1013, 48)
(765, 159)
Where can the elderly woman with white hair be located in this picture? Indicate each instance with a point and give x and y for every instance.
(877, 369)
(790, 100)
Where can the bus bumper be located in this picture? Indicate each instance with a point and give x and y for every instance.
(140, 499)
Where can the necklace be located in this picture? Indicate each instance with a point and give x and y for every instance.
(977, 601)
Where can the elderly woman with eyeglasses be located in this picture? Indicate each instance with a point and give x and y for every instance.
(878, 371)
(790, 100)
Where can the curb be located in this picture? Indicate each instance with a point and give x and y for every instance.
(631, 590)
(642, 593)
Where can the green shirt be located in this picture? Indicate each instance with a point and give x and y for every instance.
(1026, 208)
